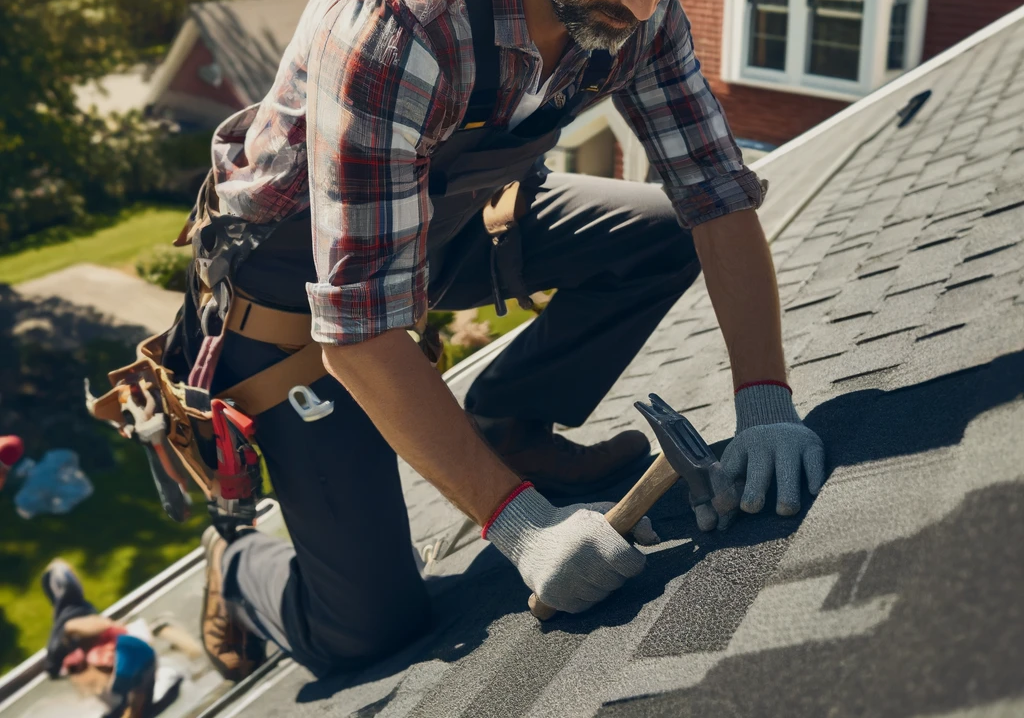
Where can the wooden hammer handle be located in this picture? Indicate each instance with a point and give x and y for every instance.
(658, 479)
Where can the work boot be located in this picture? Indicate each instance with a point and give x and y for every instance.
(556, 466)
(234, 650)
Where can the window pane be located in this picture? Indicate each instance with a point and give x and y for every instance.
(898, 35)
(834, 48)
(769, 20)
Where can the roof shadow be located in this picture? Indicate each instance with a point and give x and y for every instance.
(249, 55)
(949, 642)
(873, 424)
(860, 426)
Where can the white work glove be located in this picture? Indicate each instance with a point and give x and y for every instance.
(771, 443)
(570, 557)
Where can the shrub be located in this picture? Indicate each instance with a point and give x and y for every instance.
(165, 267)
(440, 320)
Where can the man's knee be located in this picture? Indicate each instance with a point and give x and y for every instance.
(360, 638)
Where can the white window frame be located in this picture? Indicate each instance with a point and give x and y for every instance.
(872, 72)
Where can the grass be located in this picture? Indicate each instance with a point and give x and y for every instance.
(503, 325)
(133, 232)
(117, 538)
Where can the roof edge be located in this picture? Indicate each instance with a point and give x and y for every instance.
(183, 43)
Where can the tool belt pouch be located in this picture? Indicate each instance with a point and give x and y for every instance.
(163, 399)
(151, 402)
(501, 220)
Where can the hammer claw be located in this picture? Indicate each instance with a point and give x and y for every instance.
(669, 423)
(683, 445)
(661, 405)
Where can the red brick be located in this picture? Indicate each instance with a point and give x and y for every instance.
(187, 80)
(950, 21)
(776, 116)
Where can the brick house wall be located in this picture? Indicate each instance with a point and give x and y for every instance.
(188, 82)
(776, 116)
(950, 21)
(753, 113)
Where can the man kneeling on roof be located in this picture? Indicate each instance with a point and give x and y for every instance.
(402, 135)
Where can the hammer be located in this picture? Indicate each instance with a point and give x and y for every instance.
(684, 453)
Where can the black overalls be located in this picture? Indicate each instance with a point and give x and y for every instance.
(347, 590)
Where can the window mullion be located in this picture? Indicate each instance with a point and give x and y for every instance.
(799, 41)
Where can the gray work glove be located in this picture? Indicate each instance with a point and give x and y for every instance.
(570, 557)
(771, 442)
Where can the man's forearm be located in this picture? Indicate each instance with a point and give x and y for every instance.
(414, 411)
(740, 277)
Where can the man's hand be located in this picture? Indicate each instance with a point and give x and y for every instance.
(643, 533)
(571, 557)
(771, 442)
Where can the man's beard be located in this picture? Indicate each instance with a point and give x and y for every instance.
(583, 21)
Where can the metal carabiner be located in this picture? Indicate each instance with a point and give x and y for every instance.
(307, 404)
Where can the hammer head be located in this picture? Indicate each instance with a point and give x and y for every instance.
(687, 453)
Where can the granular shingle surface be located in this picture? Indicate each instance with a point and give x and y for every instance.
(897, 591)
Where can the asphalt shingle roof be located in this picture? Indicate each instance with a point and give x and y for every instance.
(898, 591)
(248, 38)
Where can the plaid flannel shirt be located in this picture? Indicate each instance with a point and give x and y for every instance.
(367, 90)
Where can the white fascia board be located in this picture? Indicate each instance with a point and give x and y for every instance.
(180, 50)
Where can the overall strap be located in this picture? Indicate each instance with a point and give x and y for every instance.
(597, 71)
(488, 66)
(548, 118)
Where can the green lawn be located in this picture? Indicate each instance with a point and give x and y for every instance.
(135, 232)
(503, 325)
(119, 537)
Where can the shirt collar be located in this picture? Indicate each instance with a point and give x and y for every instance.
(510, 28)
(511, 31)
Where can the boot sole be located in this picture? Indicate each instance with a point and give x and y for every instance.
(140, 700)
(209, 540)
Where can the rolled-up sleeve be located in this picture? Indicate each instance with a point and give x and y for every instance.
(683, 129)
(373, 88)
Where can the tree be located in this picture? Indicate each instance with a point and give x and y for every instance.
(56, 161)
(149, 24)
